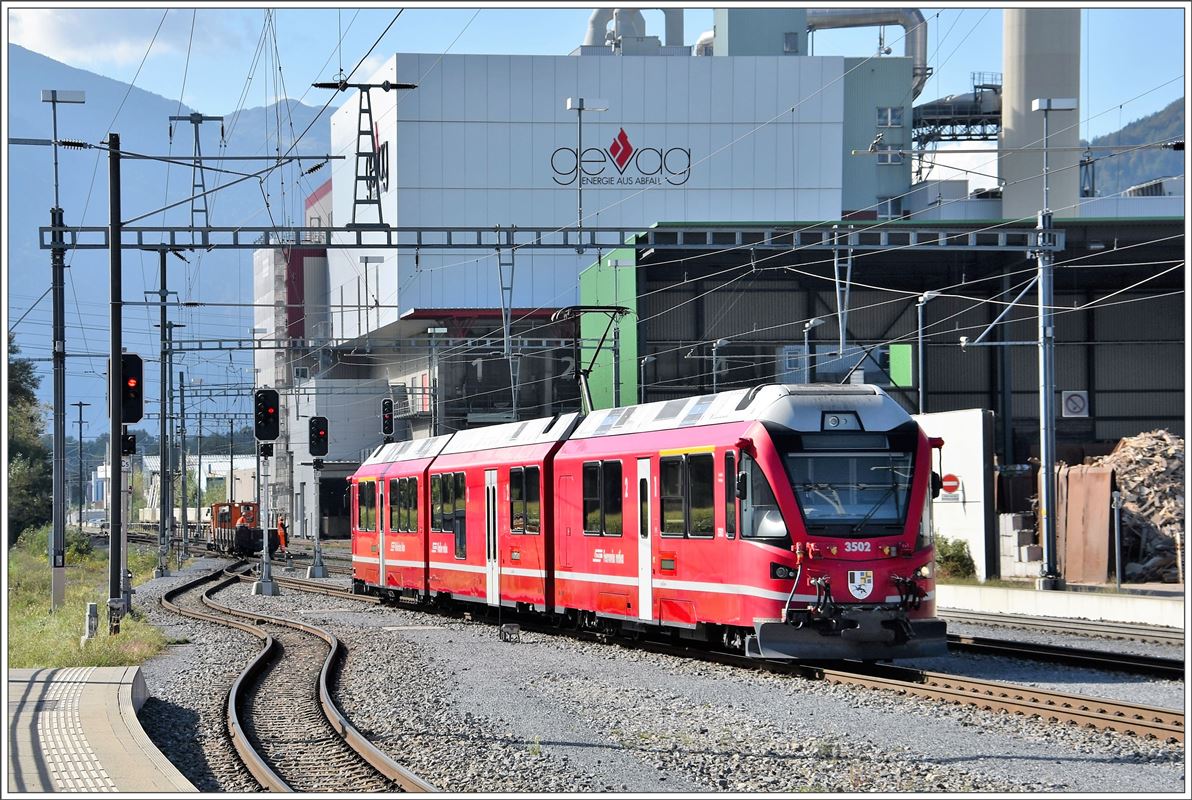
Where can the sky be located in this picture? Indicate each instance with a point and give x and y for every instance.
(206, 53)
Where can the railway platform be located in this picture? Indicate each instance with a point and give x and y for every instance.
(76, 730)
(1161, 606)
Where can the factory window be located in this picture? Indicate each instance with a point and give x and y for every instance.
(888, 154)
(889, 207)
(890, 117)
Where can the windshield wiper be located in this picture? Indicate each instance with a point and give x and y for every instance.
(872, 511)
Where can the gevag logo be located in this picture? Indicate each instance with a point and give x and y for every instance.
(650, 165)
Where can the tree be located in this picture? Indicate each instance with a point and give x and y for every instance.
(29, 477)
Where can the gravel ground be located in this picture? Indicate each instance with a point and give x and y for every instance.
(188, 686)
(1068, 640)
(554, 714)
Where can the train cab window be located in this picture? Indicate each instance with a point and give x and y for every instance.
(730, 495)
(760, 515)
(436, 502)
(367, 505)
(461, 519)
(592, 497)
(611, 478)
(701, 475)
(533, 501)
(674, 521)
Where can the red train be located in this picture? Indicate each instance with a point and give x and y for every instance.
(784, 521)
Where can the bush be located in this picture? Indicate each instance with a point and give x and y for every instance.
(952, 558)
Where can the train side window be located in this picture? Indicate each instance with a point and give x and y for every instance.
(533, 504)
(407, 504)
(367, 495)
(436, 502)
(592, 498)
(461, 518)
(448, 502)
(730, 495)
(674, 522)
(517, 500)
(611, 478)
(701, 474)
(413, 495)
(395, 509)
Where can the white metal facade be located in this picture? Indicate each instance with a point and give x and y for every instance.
(473, 146)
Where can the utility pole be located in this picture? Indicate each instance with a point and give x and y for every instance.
(168, 400)
(182, 458)
(266, 585)
(199, 480)
(116, 607)
(82, 494)
(231, 461)
(1050, 577)
(57, 287)
(163, 441)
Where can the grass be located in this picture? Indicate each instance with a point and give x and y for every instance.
(38, 638)
(993, 583)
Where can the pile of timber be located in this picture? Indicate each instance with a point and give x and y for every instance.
(1149, 469)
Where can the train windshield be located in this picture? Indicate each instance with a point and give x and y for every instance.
(861, 491)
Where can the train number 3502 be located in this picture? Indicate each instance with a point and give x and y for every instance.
(858, 547)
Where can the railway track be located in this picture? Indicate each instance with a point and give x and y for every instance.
(281, 717)
(1110, 630)
(1089, 712)
(1171, 668)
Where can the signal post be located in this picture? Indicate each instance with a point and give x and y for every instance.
(267, 429)
(318, 447)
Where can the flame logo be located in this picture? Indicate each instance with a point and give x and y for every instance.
(621, 150)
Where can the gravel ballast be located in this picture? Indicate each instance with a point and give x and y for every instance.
(469, 712)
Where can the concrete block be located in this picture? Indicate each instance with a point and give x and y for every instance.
(1030, 552)
(1024, 537)
(1012, 522)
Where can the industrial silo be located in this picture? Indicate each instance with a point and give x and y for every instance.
(1041, 59)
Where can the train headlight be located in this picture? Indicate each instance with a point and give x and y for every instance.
(924, 572)
(781, 571)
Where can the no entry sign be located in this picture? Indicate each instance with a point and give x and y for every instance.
(950, 483)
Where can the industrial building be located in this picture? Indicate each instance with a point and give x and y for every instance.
(719, 155)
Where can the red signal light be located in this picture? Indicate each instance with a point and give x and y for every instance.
(132, 383)
(270, 409)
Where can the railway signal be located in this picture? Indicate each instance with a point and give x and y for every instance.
(128, 444)
(318, 436)
(267, 450)
(132, 382)
(267, 425)
(386, 417)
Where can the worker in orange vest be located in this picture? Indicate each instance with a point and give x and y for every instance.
(281, 532)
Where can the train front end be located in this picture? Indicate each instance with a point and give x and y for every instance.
(844, 495)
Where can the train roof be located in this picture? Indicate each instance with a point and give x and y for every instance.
(794, 406)
(542, 430)
(409, 450)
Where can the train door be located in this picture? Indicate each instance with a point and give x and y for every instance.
(645, 545)
(492, 559)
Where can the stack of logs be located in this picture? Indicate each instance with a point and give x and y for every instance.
(1149, 469)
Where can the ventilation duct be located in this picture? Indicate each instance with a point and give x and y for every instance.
(911, 20)
(631, 23)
